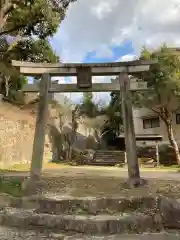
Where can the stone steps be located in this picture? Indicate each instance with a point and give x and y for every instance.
(83, 215)
(146, 236)
(90, 205)
(7, 233)
(92, 216)
(94, 225)
(104, 163)
(107, 157)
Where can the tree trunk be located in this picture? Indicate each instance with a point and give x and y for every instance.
(172, 140)
(70, 153)
(97, 139)
(6, 8)
(4, 14)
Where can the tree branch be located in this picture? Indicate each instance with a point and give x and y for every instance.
(5, 32)
(157, 112)
(5, 9)
(104, 133)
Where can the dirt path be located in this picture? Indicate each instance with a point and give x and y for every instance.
(96, 181)
(101, 172)
(110, 172)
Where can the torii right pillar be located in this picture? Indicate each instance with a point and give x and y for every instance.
(129, 132)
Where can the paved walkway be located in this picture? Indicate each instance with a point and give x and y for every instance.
(102, 172)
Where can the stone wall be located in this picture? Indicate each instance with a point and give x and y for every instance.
(16, 135)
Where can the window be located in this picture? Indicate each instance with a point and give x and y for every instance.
(178, 118)
(151, 123)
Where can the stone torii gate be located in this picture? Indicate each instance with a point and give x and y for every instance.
(84, 73)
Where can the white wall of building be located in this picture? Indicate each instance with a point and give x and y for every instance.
(143, 113)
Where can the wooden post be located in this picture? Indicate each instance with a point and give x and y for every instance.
(157, 154)
(129, 133)
(39, 137)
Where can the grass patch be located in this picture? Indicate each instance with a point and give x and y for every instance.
(25, 167)
(20, 168)
(11, 186)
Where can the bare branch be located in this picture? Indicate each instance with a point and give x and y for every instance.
(157, 112)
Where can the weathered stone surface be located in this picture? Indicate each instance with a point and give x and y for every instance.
(17, 134)
(7, 233)
(5, 200)
(146, 236)
(100, 224)
(32, 186)
(170, 212)
(94, 206)
(92, 215)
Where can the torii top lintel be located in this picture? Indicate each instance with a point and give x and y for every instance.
(70, 69)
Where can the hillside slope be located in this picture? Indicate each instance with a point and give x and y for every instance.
(16, 135)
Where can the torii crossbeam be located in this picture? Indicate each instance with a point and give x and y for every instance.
(84, 73)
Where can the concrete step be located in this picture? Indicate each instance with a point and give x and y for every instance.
(87, 224)
(7, 233)
(109, 155)
(109, 151)
(88, 205)
(105, 163)
(109, 158)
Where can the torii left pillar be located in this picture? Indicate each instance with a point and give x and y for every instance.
(31, 185)
(41, 120)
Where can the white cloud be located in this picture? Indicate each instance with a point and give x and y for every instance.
(104, 52)
(98, 24)
(128, 57)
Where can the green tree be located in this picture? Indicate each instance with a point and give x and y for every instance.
(33, 51)
(25, 50)
(114, 113)
(32, 17)
(87, 106)
(164, 81)
(113, 126)
(19, 21)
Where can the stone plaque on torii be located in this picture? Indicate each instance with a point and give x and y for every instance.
(84, 73)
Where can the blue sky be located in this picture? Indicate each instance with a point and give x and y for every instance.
(117, 52)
